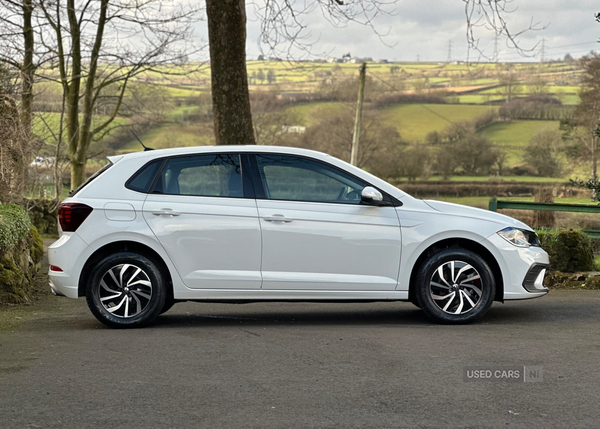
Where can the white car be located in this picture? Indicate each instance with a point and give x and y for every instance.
(255, 223)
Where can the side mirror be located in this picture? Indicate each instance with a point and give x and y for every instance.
(371, 195)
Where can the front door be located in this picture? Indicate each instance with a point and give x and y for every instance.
(316, 233)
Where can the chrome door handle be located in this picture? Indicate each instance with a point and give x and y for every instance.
(165, 212)
(278, 218)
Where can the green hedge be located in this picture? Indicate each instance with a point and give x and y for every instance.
(14, 225)
(21, 250)
(570, 250)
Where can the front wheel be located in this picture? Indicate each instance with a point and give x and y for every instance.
(455, 286)
(127, 290)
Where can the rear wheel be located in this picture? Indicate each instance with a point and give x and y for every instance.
(169, 303)
(126, 290)
(455, 286)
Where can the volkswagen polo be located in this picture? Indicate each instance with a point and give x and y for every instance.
(255, 223)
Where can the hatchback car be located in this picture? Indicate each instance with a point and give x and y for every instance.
(255, 223)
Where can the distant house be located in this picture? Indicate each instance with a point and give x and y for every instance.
(293, 129)
(382, 61)
(333, 60)
(357, 60)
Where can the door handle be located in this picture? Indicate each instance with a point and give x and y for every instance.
(278, 218)
(165, 212)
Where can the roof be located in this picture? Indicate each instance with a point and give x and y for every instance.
(222, 148)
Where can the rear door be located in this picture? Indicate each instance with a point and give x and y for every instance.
(207, 221)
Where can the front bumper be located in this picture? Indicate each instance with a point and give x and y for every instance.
(520, 265)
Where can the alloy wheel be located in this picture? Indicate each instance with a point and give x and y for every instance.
(125, 290)
(456, 287)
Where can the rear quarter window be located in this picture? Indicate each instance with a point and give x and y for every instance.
(142, 180)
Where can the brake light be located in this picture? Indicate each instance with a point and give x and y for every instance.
(55, 268)
(72, 215)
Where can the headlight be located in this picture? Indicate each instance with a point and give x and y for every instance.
(520, 237)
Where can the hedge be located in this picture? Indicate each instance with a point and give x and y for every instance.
(21, 250)
(14, 225)
(570, 250)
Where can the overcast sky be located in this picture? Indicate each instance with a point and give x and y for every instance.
(424, 28)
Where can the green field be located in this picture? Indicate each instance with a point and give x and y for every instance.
(415, 121)
(516, 134)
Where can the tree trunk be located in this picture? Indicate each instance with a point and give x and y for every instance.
(28, 68)
(229, 78)
(77, 164)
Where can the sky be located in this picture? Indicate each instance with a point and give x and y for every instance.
(423, 29)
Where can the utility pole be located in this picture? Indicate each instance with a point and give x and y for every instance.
(418, 58)
(356, 135)
(449, 60)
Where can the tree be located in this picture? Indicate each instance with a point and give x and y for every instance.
(16, 28)
(261, 75)
(271, 77)
(582, 128)
(542, 153)
(96, 63)
(332, 133)
(510, 86)
(283, 24)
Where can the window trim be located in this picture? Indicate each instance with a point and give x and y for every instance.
(258, 184)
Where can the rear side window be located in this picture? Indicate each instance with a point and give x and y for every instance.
(91, 178)
(218, 175)
(142, 180)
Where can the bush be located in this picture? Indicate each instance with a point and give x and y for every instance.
(569, 250)
(14, 225)
(21, 250)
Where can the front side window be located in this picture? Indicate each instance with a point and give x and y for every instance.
(288, 177)
(217, 175)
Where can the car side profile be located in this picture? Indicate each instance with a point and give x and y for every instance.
(257, 223)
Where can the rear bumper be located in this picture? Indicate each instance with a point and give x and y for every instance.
(66, 253)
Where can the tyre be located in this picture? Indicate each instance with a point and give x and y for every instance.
(126, 290)
(169, 303)
(455, 286)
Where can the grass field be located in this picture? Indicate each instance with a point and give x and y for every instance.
(516, 134)
(415, 121)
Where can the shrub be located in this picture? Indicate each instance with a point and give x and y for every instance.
(570, 250)
(14, 225)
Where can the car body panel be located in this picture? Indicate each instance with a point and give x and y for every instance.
(214, 242)
(329, 246)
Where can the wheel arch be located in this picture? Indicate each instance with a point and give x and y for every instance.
(459, 243)
(124, 246)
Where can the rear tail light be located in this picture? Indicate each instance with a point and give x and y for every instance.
(72, 215)
(55, 268)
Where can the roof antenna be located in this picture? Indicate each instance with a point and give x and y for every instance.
(138, 139)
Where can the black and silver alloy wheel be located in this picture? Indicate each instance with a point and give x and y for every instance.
(126, 290)
(455, 286)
